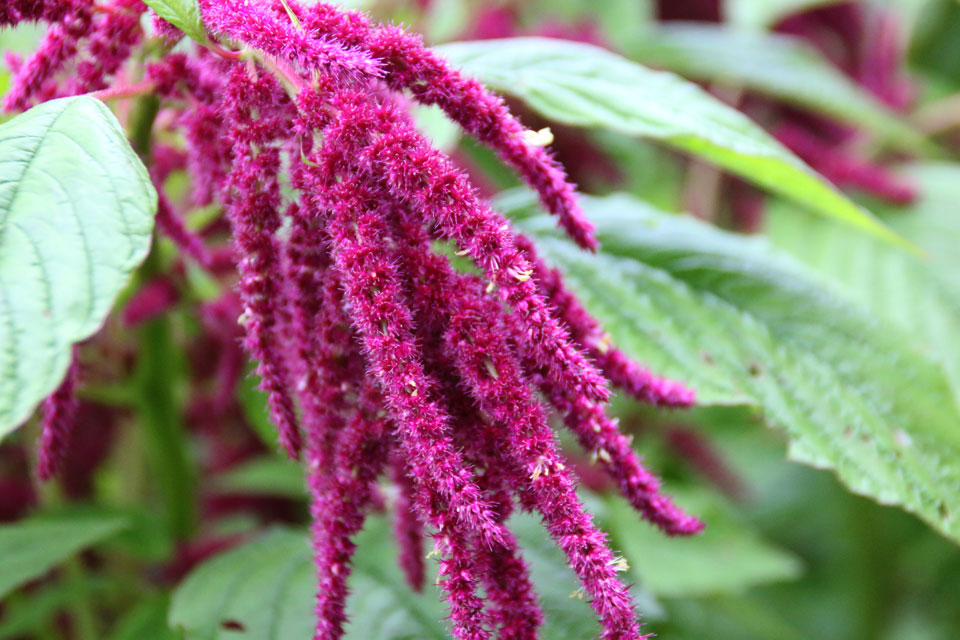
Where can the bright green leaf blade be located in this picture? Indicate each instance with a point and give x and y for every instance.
(183, 14)
(920, 296)
(726, 558)
(776, 65)
(76, 214)
(30, 548)
(744, 324)
(583, 85)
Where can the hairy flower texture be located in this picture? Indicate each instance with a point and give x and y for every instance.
(421, 177)
(409, 65)
(253, 197)
(371, 346)
(58, 46)
(14, 12)
(59, 416)
(513, 608)
(112, 37)
(270, 32)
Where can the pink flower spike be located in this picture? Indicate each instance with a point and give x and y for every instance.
(59, 412)
(424, 179)
(409, 65)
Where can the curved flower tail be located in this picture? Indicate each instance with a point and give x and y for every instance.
(587, 332)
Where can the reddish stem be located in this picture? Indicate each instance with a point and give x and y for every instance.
(125, 91)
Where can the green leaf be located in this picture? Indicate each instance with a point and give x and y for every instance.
(267, 587)
(776, 65)
(264, 476)
(931, 222)
(583, 85)
(726, 558)
(919, 296)
(76, 214)
(183, 14)
(30, 548)
(744, 324)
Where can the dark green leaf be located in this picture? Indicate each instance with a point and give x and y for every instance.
(583, 85)
(744, 324)
(30, 548)
(183, 14)
(76, 214)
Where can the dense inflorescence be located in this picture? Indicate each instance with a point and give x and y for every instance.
(380, 360)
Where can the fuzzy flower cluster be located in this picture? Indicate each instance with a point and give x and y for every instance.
(381, 361)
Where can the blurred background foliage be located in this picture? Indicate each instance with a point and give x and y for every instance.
(790, 552)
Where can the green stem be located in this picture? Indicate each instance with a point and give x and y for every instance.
(141, 123)
(167, 446)
(82, 614)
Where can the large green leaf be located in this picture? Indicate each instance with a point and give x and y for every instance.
(776, 65)
(744, 324)
(584, 85)
(30, 548)
(920, 296)
(267, 588)
(183, 14)
(726, 558)
(76, 214)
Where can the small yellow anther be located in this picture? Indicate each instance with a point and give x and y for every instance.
(541, 138)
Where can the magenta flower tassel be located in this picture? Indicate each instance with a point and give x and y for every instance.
(422, 178)
(448, 499)
(338, 509)
(272, 32)
(56, 428)
(514, 611)
(494, 377)
(408, 65)
(58, 46)
(253, 198)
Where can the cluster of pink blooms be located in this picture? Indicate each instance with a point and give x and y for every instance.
(381, 361)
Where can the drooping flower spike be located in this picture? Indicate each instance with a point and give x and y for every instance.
(379, 359)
